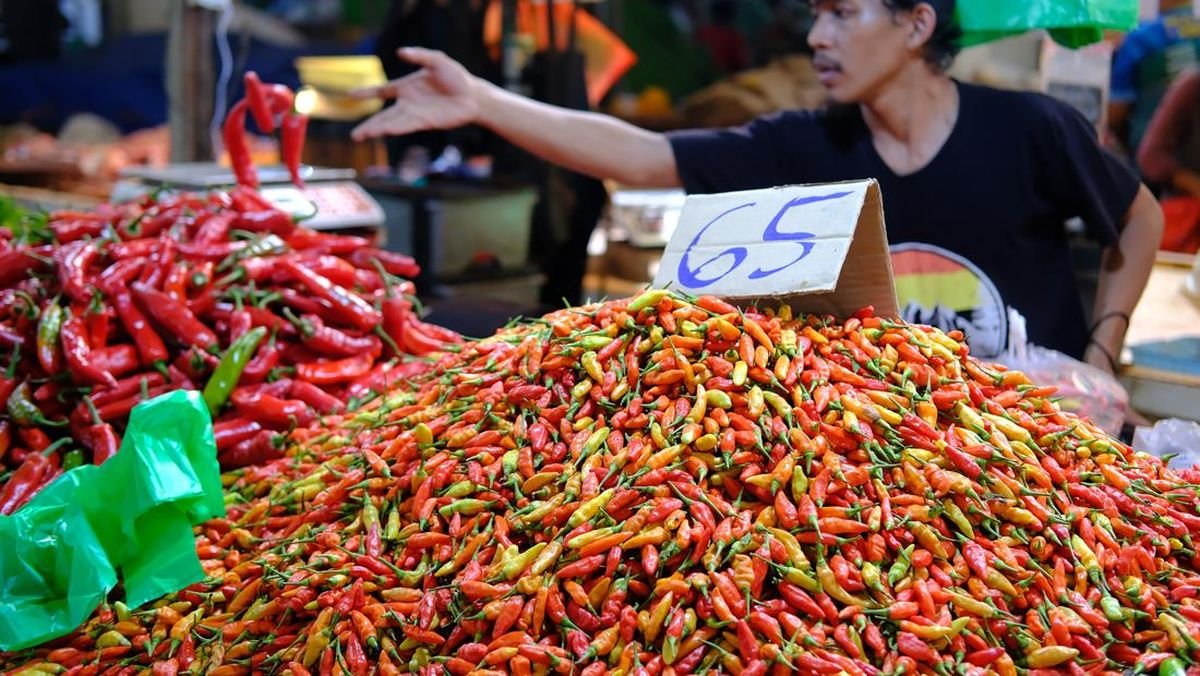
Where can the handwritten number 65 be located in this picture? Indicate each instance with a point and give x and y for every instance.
(690, 277)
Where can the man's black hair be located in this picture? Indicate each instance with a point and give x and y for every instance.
(946, 41)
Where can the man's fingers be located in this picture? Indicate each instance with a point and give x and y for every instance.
(389, 90)
(379, 92)
(419, 56)
(390, 122)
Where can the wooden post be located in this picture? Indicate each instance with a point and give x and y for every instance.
(191, 82)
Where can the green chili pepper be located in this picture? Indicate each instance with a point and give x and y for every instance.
(590, 343)
(509, 461)
(1112, 609)
(647, 299)
(72, 459)
(24, 412)
(1172, 666)
(49, 326)
(466, 507)
(460, 489)
(229, 369)
(900, 568)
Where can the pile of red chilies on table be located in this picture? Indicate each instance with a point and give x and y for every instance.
(276, 323)
(662, 486)
(221, 292)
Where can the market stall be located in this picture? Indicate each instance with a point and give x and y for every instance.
(678, 482)
(234, 444)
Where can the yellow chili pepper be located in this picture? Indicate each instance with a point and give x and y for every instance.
(755, 403)
(970, 605)
(589, 509)
(936, 631)
(959, 519)
(696, 415)
(781, 405)
(718, 399)
(1051, 656)
(546, 558)
(830, 585)
(740, 371)
(517, 564)
(584, 539)
(653, 536)
(665, 457)
(423, 434)
(657, 616)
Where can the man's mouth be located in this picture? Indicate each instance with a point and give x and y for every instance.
(827, 69)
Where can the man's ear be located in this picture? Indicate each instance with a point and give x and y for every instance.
(924, 20)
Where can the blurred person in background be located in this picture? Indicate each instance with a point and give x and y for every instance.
(977, 183)
(721, 37)
(1145, 64)
(1169, 158)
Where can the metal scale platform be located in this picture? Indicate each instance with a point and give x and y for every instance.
(338, 201)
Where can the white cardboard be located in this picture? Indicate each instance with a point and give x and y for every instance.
(820, 248)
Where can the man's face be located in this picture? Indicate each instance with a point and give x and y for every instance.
(858, 46)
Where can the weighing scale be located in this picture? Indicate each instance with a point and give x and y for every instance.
(339, 202)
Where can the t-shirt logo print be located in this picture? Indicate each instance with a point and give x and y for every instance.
(942, 289)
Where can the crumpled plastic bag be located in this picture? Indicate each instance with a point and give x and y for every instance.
(1175, 439)
(1083, 389)
(62, 552)
(1071, 23)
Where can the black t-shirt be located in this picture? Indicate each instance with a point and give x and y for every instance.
(979, 228)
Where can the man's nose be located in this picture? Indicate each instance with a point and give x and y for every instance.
(819, 35)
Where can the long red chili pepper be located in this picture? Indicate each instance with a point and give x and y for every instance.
(234, 135)
(259, 103)
(73, 261)
(348, 306)
(173, 316)
(78, 354)
(335, 372)
(295, 126)
(33, 474)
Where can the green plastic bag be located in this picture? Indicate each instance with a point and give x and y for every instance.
(61, 553)
(1072, 23)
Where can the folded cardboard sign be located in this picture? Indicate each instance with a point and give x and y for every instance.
(819, 248)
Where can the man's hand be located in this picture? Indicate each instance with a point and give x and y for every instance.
(442, 95)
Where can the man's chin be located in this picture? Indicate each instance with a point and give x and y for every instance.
(837, 96)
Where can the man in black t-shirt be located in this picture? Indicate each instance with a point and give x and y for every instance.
(977, 183)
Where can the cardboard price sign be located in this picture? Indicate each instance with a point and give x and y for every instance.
(820, 248)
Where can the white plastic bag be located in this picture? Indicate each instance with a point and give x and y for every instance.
(1172, 437)
(1082, 389)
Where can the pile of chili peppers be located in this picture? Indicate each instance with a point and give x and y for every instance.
(671, 486)
(276, 323)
